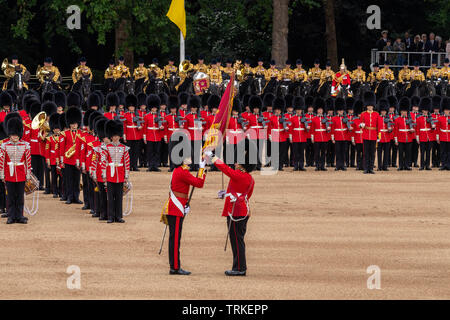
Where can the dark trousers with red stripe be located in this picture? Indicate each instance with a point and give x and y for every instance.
(56, 181)
(369, 147)
(134, 152)
(115, 200)
(15, 199)
(175, 228)
(237, 234)
(340, 151)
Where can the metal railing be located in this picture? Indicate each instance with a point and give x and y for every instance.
(397, 58)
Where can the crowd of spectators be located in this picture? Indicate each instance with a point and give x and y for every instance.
(419, 43)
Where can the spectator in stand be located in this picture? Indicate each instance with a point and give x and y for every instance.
(447, 48)
(381, 43)
(431, 46)
(390, 56)
(416, 46)
(400, 46)
(424, 41)
(407, 40)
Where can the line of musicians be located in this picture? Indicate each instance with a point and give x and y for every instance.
(62, 146)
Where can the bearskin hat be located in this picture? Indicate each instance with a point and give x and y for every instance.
(48, 96)
(339, 104)
(404, 104)
(436, 102)
(3, 134)
(121, 96)
(8, 117)
(92, 117)
(184, 97)
(62, 121)
(194, 102)
(268, 100)
(383, 105)
(54, 122)
(415, 101)
(237, 104)
(163, 97)
(349, 103)
(114, 128)
(34, 110)
(141, 99)
(49, 107)
(73, 99)
(358, 106)
(250, 157)
(5, 99)
(393, 102)
(93, 101)
(100, 126)
(100, 95)
(445, 103)
(299, 103)
(86, 116)
(213, 101)
(319, 103)
(279, 104)
(153, 101)
(173, 102)
(60, 99)
(130, 101)
(255, 102)
(289, 99)
(329, 104)
(28, 101)
(369, 99)
(112, 99)
(205, 98)
(15, 127)
(425, 104)
(245, 99)
(73, 115)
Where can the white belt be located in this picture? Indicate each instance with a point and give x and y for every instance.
(443, 130)
(12, 165)
(320, 130)
(52, 151)
(256, 127)
(278, 130)
(299, 129)
(235, 131)
(132, 127)
(112, 166)
(404, 130)
(344, 129)
(425, 129)
(152, 128)
(33, 140)
(358, 131)
(190, 128)
(383, 130)
(172, 129)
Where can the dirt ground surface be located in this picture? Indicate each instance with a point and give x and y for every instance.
(311, 236)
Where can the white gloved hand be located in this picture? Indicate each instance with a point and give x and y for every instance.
(202, 164)
(221, 194)
(186, 210)
(208, 154)
(362, 125)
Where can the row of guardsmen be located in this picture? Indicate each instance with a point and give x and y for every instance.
(70, 144)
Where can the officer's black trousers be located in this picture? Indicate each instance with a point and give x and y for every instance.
(2, 197)
(134, 152)
(153, 153)
(72, 179)
(236, 233)
(425, 150)
(383, 154)
(86, 190)
(47, 177)
(115, 197)
(394, 149)
(299, 154)
(164, 152)
(56, 181)
(320, 149)
(369, 154)
(359, 156)
(445, 154)
(15, 199)
(414, 152)
(404, 154)
(435, 153)
(37, 166)
(175, 228)
(350, 155)
(341, 149)
(331, 152)
(309, 153)
(101, 202)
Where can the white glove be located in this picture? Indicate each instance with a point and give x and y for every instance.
(362, 125)
(208, 154)
(221, 194)
(186, 210)
(202, 164)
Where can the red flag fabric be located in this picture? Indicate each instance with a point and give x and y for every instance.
(222, 117)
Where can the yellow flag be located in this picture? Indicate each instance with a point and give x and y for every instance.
(177, 15)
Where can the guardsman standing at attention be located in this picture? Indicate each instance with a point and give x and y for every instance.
(194, 127)
(443, 136)
(385, 128)
(357, 137)
(319, 134)
(256, 124)
(153, 130)
(112, 102)
(132, 130)
(116, 170)
(298, 134)
(403, 135)
(339, 134)
(435, 147)
(369, 125)
(425, 132)
(15, 169)
(52, 154)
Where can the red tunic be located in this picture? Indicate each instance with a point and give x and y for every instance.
(15, 161)
(194, 126)
(52, 150)
(241, 183)
(152, 131)
(319, 129)
(357, 133)
(370, 120)
(444, 128)
(297, 130)
(255, 128)
(402, 132)
(384, 133)
(66, 141)
(117, 164)
(424, 129)
(181, 181)
(98, 163)
(234, 132)
(339, 130)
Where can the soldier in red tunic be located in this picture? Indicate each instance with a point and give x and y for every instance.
(435, 147)
(153, 130)
(237, 207)
(115, 170)
(278, 128)
(172, 127)
(267, 114)
(234, 133)
(404, 133)
(320, 134)
(15, 169)
(52, 154)
(298, 133)
(357, 140)
(142, 112)
(369, 125)
(385, 127)
(177, 206)
(6, 102)
(163, 111)
(194, 127)
(309, 115)
(339, 134)
(256, 124)
(393, 114)
(132, 130)
(425, 132)
(112, 103)
(443, 136)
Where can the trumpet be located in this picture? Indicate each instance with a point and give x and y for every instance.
(41, 72)
(40, 121)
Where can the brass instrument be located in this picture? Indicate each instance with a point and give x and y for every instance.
(40, 121)
(152, 69)
(185, 66)
(69, 153)
(41, 73)
(8, 68)
(240, 72)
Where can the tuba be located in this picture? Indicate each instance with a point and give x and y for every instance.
(127, 187)
(31, 187)
(8, 68)
(40, 121)
(185, 66)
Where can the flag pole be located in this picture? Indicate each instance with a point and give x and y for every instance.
(181, 47)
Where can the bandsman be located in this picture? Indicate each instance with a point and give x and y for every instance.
(81, 71)
(215, 75)
(416, 74)
(372, 77)
(358, 75)
(140, 75)
(201, 66)
(49, 107)
(433, 73)
(11, 71)
(314, 75)
(404, 75)
(326, 76)
(444, 73)
(109, 76)
(52, 155)
(49, 73)
(170, 69)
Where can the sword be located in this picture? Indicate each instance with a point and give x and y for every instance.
(229, 226)
(162, 240)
